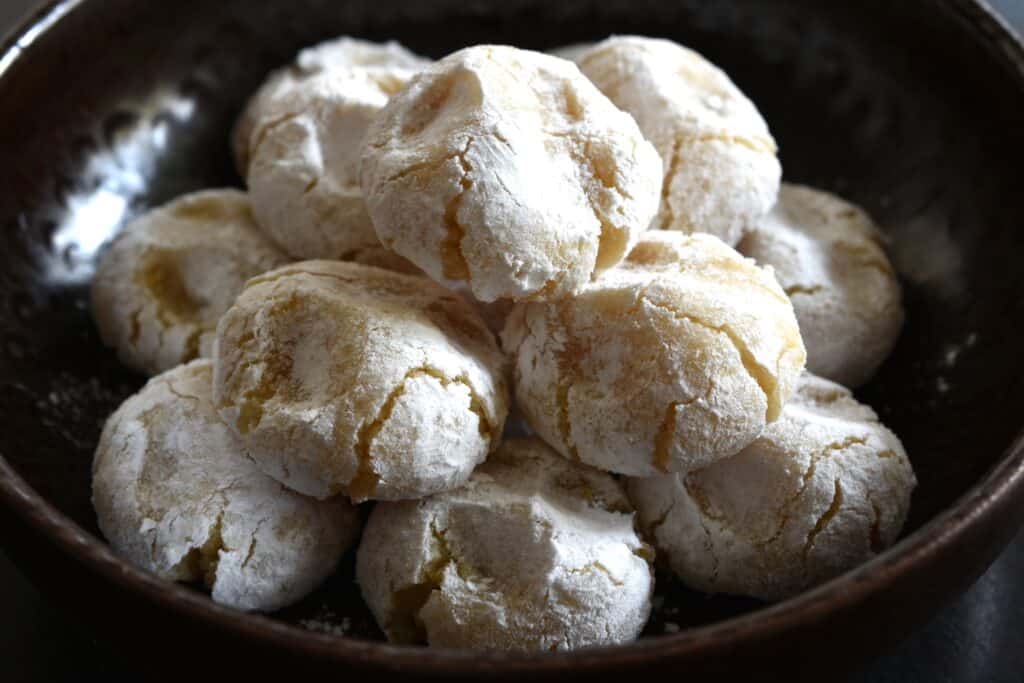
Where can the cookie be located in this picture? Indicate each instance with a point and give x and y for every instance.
(347, 379)
(823, 489)
(507, 172)
(722, 172)
(677, 358)
(163, 283)
(533, 553)
(175, 495)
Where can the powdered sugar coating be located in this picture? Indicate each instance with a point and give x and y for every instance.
(163, 283)
(340, 53)
(721, 170)
(534, 553)
(825, 488)
(174, 494)
(673, 360)
(829, 258)
(343, 378)
(507, 171)
(304, 167)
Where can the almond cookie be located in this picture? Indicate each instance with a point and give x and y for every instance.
(722, 172)
(825, 488)
(163, 283)
(677, 358)
(174, 494)
(340, 53)
(828, 257)
(533, 553)
(507, 171)
(304, 160)
(343, 378)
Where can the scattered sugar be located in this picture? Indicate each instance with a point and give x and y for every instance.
(327, 621)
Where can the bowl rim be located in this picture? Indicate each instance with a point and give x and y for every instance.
(989, 498)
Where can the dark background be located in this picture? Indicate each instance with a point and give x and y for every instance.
(977, 638)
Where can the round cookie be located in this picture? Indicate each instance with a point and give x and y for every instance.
(825, 488)
(175, 495)
(534, 553)
(677, 358)
(304, 160)
(343, 378)
(721, 170)
(340, 53)
(828, 257)
(163, 283)
(508, 172)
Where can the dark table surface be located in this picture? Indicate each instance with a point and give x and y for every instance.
(977, 638)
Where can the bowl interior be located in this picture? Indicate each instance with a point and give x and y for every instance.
(898, 108)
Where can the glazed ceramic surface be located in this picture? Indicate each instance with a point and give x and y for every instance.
(911, 109)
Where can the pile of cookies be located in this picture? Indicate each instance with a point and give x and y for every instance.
(428, 247)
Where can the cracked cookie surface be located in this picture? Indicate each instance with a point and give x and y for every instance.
(304, 160)
(721, 170)
(507, 172)
(175, 494)
(675, 359)
(340, 53)
(828, 256)
(344, 378)
(533, 553)
(822, 490)
(165, 280)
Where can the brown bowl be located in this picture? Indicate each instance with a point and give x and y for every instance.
(911, 109)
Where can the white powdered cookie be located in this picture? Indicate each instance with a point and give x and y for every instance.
(164, 282)
(174, 494)
(828, 256)
(507, 171)
(721, 169)
(534, 553)
(673, 360)
(825, 488)
(304, 160)
(340, 53)
(343, 378)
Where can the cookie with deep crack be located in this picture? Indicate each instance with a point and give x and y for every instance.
(829, 258)
(533, 553)
(823, 489)
(304, 160)
(343, 378)
(162, 285)
(722, 171)
(507, 171)
(675, 359)
(174, 494)
(340, 53)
